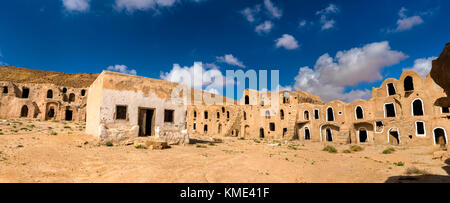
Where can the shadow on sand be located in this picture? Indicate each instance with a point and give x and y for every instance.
(423, 178)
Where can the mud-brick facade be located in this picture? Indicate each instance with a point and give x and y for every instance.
(42, 101)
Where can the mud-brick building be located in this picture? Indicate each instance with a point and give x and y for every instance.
(42, 101)
(121, 106)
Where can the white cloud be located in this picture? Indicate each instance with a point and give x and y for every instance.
(287, 41)
(122, 69)
(302, 23)
(264, 28)
(325, 20)
(272, 9)
(231, 60)
(76, 5)
(406, 23)
(197, 77)
(250, 13)
(422, 66)
(143, 5)
(332, 76)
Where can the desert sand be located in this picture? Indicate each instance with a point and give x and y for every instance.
(42, 151)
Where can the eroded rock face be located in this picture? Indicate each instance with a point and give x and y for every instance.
(440, 71)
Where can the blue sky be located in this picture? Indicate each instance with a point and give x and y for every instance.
(376, 39)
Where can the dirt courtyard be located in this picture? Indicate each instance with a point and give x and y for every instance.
(40, 151)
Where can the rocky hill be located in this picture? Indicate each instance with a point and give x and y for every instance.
(25, 75)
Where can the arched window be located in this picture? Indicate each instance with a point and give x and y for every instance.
(330, 114)
(306, 115)
(228, 114)
(205, 128)
(247, 100)
(83, 92)
(408, 84)
(282, 114)
(267, 114)
(64, 90)
(417, 108)
(218, 114)
(440, 136)
(50, 94)
(223, 109)
(245, 115)
(5, 90)
(391, 89)
(206, 115)
(195, 114)
(71, 97)
(359, 112)
(24, 111)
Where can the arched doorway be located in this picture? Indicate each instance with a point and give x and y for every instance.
(393, 136)
(261, 133)
(362, 135)
(307, 134)
(24, 111)
(329, 135)
(440, 136)
(247, 100)
(50, 94)
(417, 107)
(408, 84)
(330, 114)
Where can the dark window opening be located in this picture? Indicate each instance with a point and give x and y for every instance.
(223, 109)
(379, 126)
(445, 109)
(245, 115)
(417, 108)
(195, 114)
(168, 115)
(121, 112)
(5, 90)
(306, 115)
(267, 114)
(24, 111)
(68, 115)
(272, 126)
(50, 94)
(394, 138)
(261, 132)
(420, 128)
(247, 100)
(316, 114)
(329, 135)
(194, 126)
(71, 97)
(359, 113)
(408, 84)
(206, 115)
(362, 135)
(25, 92)
(391, 89)
(219, 128)
(218, 115)
(205, 128)
(439, 136)
(284, 131)
(83, 92)
(282, 114)
(390, 110)
(307, 134)
(228, 114)
(330, 114)
(64, 90)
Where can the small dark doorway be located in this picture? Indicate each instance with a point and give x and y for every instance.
(391, 89)
(5, 90)
(329, 135)
(145, 122)
(330, 114)
(51, 113)
(205, 128)
(284, 131)
(261, 132)
(71, 97)
(69, 114)
(439, 136)
(359, 113)
(408, 84)
(25, 92)
(50, 94)
(306, 115)
(83, 92)
(390, 110)
(394, 138)
(24, 111)
(307, 134)
(362, 135)
(247, 100)
(417, 107)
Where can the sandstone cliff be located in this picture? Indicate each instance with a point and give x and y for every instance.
(440, 71)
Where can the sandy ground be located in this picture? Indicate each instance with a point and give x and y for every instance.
(38, 151)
